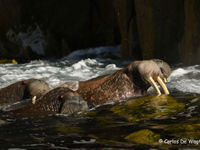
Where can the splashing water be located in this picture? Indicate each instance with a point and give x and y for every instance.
(186, 79)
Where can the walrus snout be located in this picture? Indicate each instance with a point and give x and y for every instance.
(164, 67)
(72, 103)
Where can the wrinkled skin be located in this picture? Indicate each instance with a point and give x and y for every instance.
(128, 82)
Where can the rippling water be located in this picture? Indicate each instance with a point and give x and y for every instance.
(144, 122)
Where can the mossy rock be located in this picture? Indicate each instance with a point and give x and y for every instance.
(144, 136)
(68, 129)
(145, 108)
(6, 61)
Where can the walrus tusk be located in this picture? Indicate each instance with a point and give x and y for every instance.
(165, 80)
(34, 100)
(162, 84)
(153, 83)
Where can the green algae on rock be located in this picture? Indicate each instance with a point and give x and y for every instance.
(144, 136)
(149, 107)
(68, 129)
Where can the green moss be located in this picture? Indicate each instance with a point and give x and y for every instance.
(91, 114)
(68, 129)
(144, 136)
(148, 107)
(5, 61)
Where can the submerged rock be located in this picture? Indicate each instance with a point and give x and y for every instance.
(149, 107)
(144, 136)
(68, 129)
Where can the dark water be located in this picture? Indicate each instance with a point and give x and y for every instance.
(158, 122)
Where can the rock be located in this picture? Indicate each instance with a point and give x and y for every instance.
(167, 30)
(160, 28)
(125, 10)
(149, 107)
(189, 49)
(5, 61)
(144, 136)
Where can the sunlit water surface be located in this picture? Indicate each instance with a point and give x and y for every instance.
(150, 122)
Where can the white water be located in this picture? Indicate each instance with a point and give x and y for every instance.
(56, 73)
(186, 79)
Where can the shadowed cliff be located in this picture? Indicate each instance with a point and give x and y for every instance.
(168, 30)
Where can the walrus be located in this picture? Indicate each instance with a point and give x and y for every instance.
(30, 88)
(131, 81)
(59, 100)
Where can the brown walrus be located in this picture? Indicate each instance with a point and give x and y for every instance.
(124, 83)
(23, 90)
(59, 100)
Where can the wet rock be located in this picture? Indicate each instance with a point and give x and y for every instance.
(189, 46)
(5, 61)
(160, 28)
(68, 129)
(126, 15)
(144, 136)
(145, 108)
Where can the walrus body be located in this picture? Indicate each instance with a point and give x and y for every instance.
(128, 82)
(58, 100)
(108, 88)
(23, 90)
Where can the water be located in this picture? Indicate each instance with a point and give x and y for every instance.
(150, 122)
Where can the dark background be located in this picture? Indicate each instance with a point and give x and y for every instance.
(165, 29)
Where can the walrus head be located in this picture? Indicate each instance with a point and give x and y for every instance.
(72, 103)
(164, 67)
(37, 88)
(145, 73)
